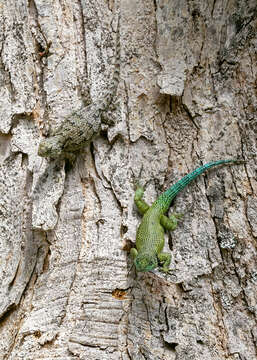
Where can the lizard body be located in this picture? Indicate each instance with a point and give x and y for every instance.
(78, 129)
(150, 234)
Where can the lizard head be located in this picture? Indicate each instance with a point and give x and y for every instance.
(145, 262)
(50, 147)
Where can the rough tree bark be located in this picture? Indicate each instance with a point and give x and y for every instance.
(187, 95)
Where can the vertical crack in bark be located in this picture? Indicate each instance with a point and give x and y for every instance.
(191, 118)
(63, 316)
(126, 102)
(155, 5)
(83, 29)
(222, 329)
(16, 333)
(19, 319)
(40, 48)
(214, 221)
(213, 7)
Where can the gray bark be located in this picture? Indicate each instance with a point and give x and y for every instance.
(187, 95)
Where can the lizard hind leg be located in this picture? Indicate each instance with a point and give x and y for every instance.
(170, 223)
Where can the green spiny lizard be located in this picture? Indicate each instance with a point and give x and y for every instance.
(150, 234)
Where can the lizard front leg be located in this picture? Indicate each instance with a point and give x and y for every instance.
(164, 259)
(140, 203)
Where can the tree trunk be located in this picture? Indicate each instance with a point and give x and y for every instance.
(186, 96)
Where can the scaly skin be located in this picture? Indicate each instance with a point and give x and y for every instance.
(150, 234)
(79, 128)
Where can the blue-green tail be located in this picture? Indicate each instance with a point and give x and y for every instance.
(166, 198)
